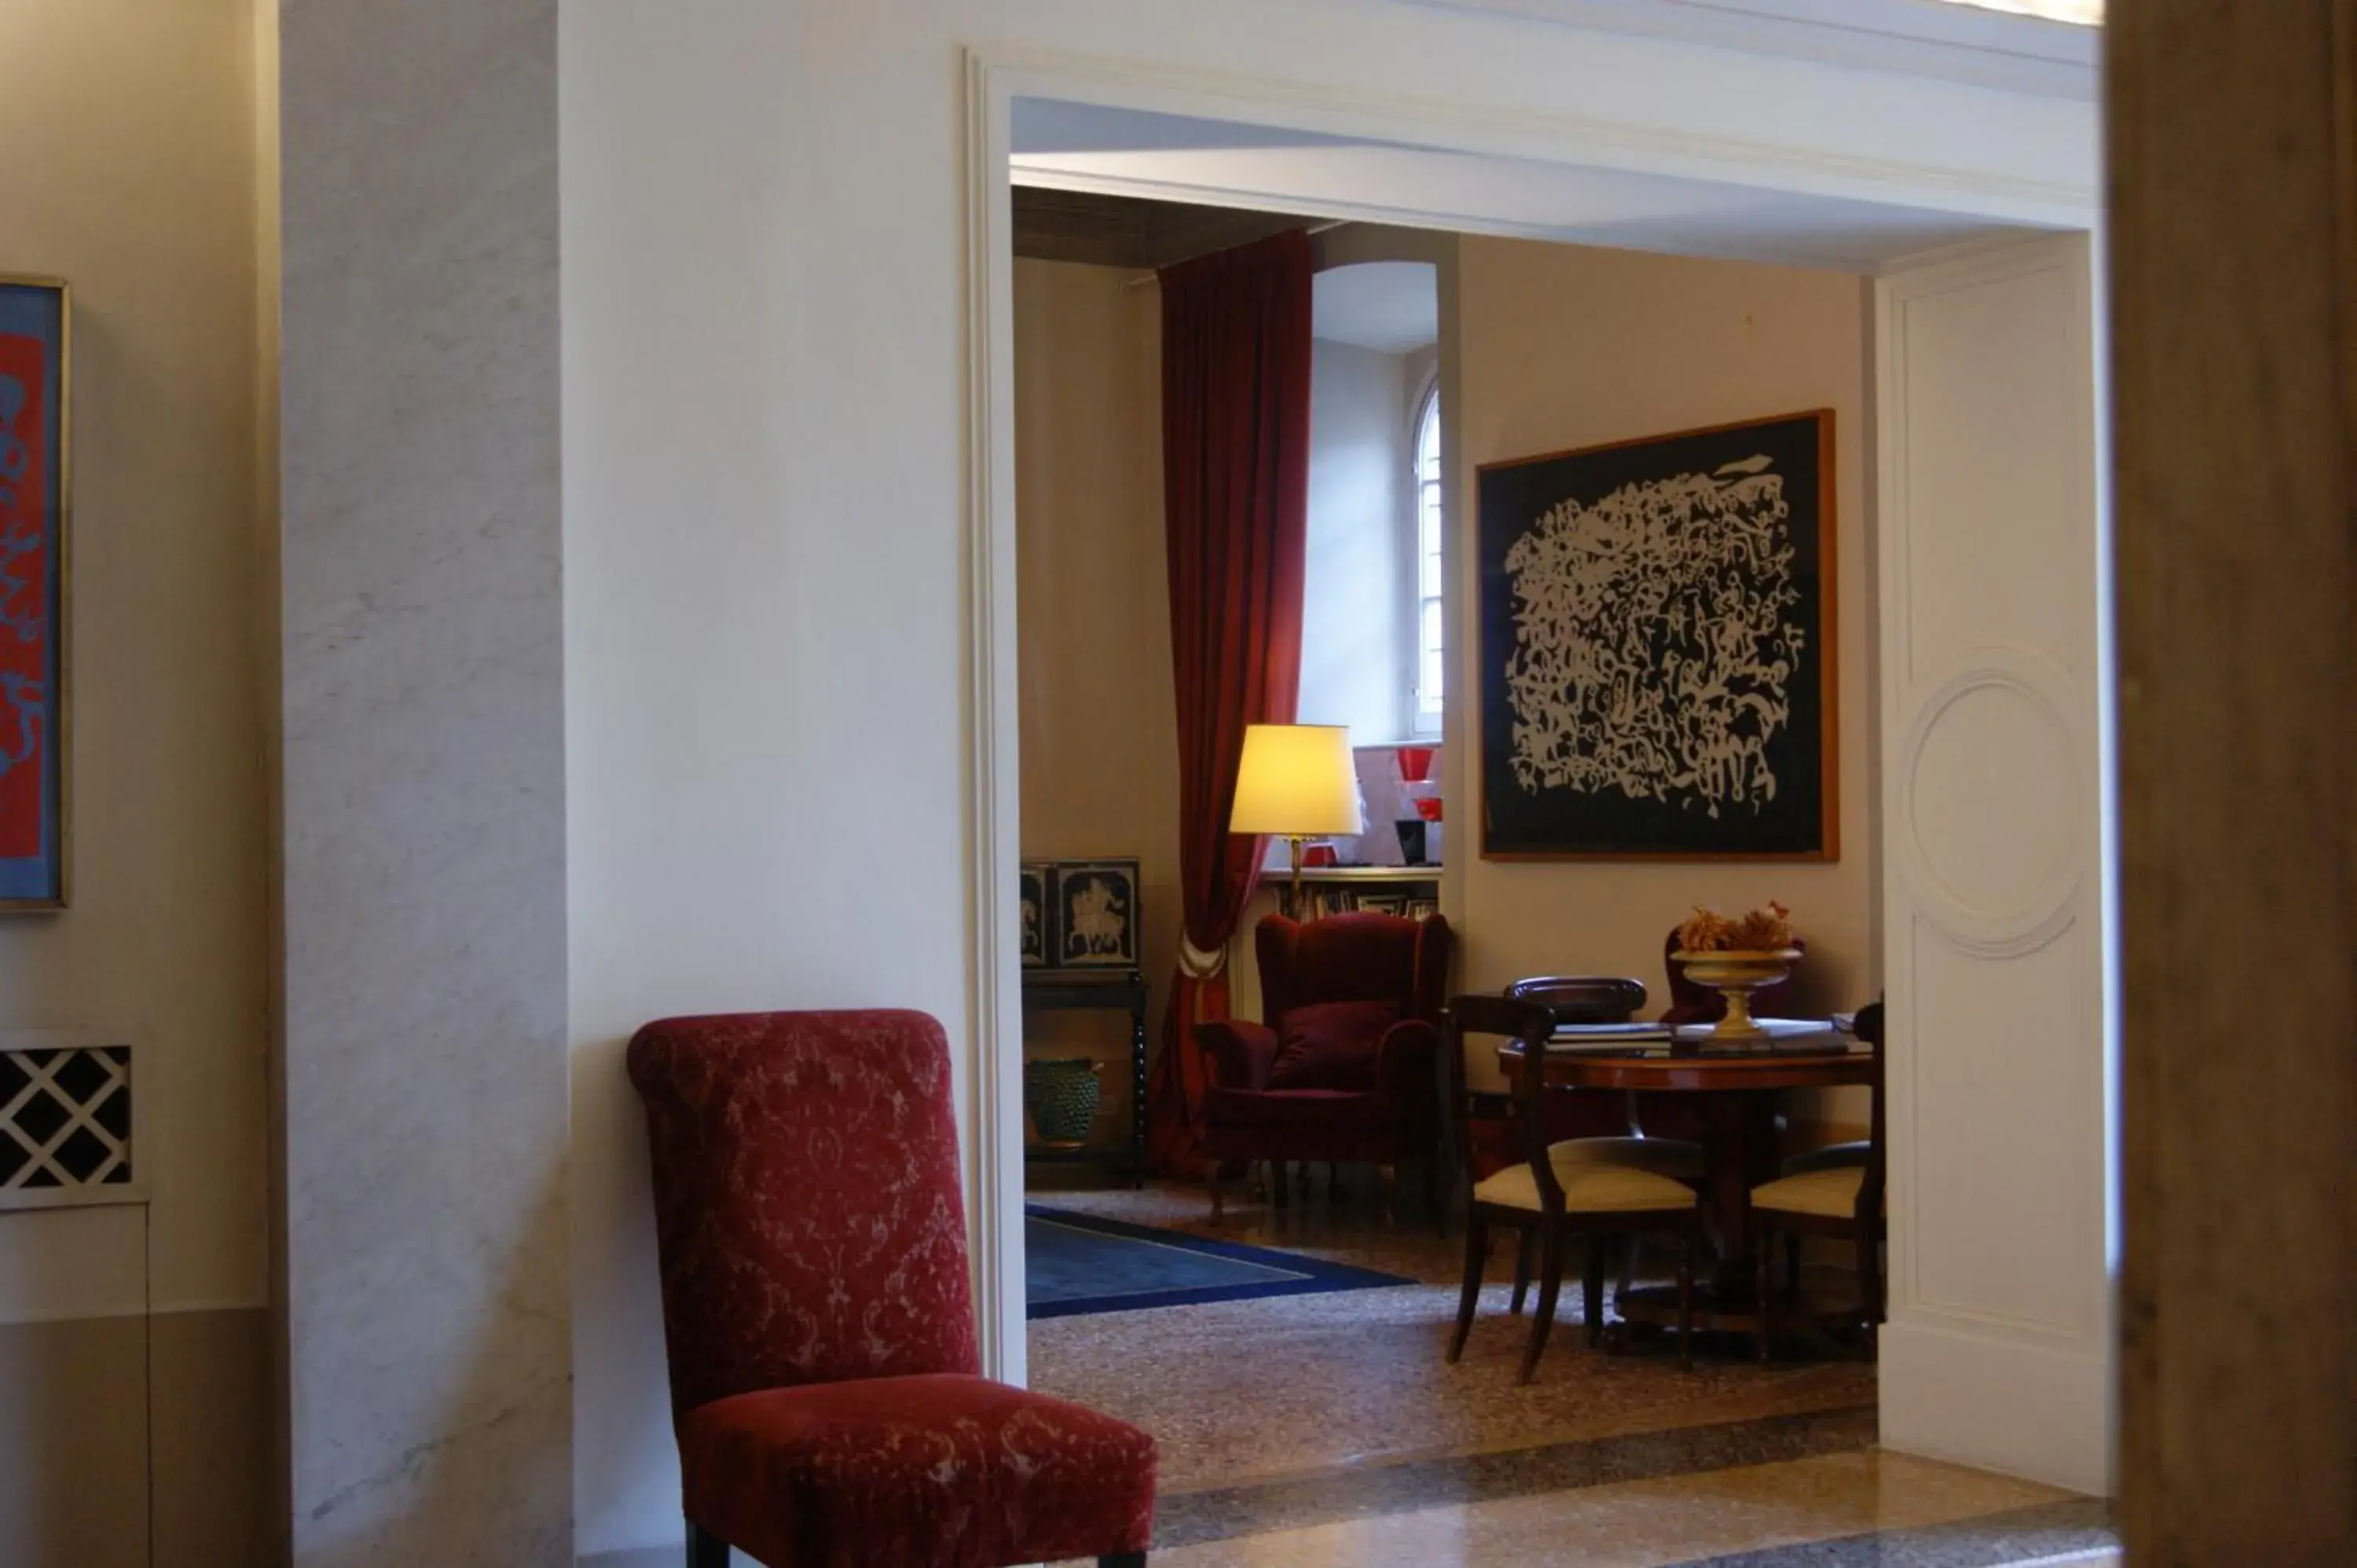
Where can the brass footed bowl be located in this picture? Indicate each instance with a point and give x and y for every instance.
(1735, 975)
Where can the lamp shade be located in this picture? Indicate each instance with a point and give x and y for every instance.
(1298, 780)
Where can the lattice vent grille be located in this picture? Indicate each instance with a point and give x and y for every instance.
(65, 1125)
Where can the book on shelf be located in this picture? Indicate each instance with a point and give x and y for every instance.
(1320, 900)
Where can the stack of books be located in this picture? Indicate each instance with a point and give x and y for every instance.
(1608, 1037)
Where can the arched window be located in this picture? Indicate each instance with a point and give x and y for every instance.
(1425, 705)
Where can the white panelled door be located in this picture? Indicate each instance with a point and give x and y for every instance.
(1999, 1348)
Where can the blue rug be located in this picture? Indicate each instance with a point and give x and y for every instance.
(1078, 1263)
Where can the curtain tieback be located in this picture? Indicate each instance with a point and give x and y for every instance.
(1198, 963)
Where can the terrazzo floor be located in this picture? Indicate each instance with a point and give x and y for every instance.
(1328, 1429)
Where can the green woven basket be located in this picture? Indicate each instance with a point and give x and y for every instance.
(1061, 1094)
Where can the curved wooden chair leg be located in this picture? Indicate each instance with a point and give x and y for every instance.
(1591, 1291)
(1477, 1255)
(1550, 1284)
(1219, 1193)
(1685, 1306)
(1870, 1279)
(1525, 1240)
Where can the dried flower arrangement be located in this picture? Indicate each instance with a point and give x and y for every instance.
(1761, 930)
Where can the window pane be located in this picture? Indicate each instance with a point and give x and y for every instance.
(1428, 659)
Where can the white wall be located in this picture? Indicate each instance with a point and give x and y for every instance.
(1999, 1347)
(767, 452)
(1354, 642)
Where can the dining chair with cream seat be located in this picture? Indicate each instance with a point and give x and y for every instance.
(1838, 1195)
(1600, 999)
(1553, 1193)
(1608, 1127)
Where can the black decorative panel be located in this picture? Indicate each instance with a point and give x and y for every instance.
(65, 1124)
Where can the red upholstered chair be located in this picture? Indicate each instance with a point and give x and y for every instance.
(1345, 1068)
(820, 1327)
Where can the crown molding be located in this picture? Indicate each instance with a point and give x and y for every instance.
(1936, 39)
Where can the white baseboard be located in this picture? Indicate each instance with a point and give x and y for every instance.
(640, 1557)
(1997, 1405)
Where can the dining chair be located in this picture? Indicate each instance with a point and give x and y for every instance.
(1593, 1122)
(1835, 1196)
(819, 1323)
(1553, 1193)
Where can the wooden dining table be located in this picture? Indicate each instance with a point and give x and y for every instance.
(1739, 1092)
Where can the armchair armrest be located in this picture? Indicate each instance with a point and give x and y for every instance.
(1240, 1052)
(1405, 1059)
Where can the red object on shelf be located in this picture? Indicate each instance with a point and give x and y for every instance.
(1428, 808)
(1415, 762)
(1320, 854)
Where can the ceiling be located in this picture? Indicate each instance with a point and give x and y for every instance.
(1392, 306)
(1185, 163)
(1128, 231)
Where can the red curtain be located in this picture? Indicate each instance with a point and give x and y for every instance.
(1235, 486)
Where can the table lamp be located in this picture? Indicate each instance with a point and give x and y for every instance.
(1297, 781)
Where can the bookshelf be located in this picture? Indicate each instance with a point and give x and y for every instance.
(1340, 889)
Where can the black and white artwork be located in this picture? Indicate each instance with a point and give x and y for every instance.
(1095, 923)
(1657, 663)
(1035, 880)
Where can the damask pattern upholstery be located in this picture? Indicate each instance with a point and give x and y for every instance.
(939, 1468)
(818, 1319)
(807, 1199)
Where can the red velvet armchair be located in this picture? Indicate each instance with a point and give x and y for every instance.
(820, 1328)
(1346, 1066)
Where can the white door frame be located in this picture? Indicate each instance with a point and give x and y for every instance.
(994, 79)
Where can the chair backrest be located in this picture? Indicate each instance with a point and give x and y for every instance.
(1691, 1001)
(1530, 1022)
(1583, 998)
(1362, 957)
(807, 1205)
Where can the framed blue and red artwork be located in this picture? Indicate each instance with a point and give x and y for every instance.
(36, 497)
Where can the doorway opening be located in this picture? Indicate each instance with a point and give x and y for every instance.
(1572, 306)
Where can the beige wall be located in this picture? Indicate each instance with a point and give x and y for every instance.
(127, 137)
(1565, 346)
(1099, 728)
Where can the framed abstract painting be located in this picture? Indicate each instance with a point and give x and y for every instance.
(36, 500)
(1658, 669)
